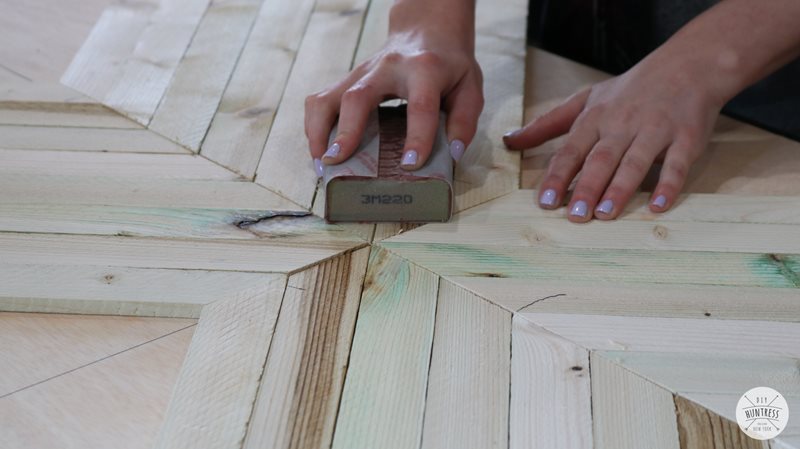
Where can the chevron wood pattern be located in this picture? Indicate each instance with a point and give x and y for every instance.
(165, 281)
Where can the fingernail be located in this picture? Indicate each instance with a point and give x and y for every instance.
(457, 149)
(333, 151)
(606, 207)
(318, 167)
(512, 133)
(660, 201)
(548, 198)
(409, 159)
(579, 209)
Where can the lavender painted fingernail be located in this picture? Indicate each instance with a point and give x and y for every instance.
(318, 167)
(606, 207)
(548, 198)
(660, 201)
(457, 149)
(333, 151)
(579, 209)
(409, 159)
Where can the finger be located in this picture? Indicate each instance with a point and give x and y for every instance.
(598, 168)
(567, 161)
(321, 110)
(424, 99)
(554, 123)
(673, 176)
(358, 102)
(463, 105)
(633, 168)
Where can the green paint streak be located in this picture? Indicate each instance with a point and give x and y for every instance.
(779, 268)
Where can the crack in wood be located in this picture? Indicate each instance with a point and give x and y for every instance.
(540, 300)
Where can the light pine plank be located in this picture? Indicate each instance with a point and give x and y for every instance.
(487, 169)
(386, 230)
(694, 207)
(132, 53)
(116, 165)
(384, 393)
(634, 299)
(468, 386)
(240, 126)
(38, 347)
(63, 191)
(116, 402)
(304, 375)
(374, 31)
(132, 140)
(97, 65)
(193, 96)
(724, 405)
(629, 411)
(733, 372)
(285, 224)
(680, 335)
(699, 427)
(100, 290)
(135, 252)
(650, 267)
(147, 71)
(213, 398)
(551, 402)
(34, 104)
(324, 57)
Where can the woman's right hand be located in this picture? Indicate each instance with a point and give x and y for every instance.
(431, 66)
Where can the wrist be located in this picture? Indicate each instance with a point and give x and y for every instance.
(448, 21)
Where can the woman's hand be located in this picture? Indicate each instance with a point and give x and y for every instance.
(430, 63)
(615, 131)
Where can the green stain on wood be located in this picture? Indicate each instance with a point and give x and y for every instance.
(782, 269)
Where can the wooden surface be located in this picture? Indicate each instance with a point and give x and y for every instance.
(165, 193)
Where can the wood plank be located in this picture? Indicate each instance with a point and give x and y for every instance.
(629, 411)
(551, 401)
(649, 267)
(304, 375)
(39, 347)
(384, 393)
(734, 372)
(213, 398)
(699, 427)
(40, 37)
(135, 252)
(132, 54)
(487, 169)
(285, 224)
(724, 405)
(695, 207)
(666, 301)
(116, 165)
(133, 140)
(117, 402)
(325, 56)
(138, 193)
(680, 335)
(55, 105)
(103, 290)
(468, 386)
(243, 120)
(188, 106)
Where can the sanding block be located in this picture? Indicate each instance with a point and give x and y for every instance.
(372, 187)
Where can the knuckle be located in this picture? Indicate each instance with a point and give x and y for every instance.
(634, 163)
(357, 93)
(678, 170)
(391, 58)
(568, 152)
(602, 155)
(427, 59)
(423, 103)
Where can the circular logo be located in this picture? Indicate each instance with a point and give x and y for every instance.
(762, 413)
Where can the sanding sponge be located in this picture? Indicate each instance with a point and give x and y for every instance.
(372, 187)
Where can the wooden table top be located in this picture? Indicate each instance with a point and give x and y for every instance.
(154, 293)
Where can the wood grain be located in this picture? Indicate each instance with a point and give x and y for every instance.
(467, 404)
(700, 428)
(551, 400)
(300, 390)
(130, 140)
(384, 393)
(629, 411)
(213, 398)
